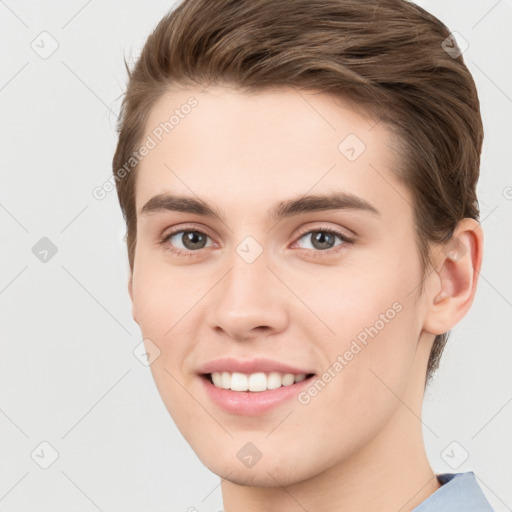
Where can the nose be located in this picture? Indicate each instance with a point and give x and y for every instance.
(249, 302)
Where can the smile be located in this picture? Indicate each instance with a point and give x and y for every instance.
(253, 394)
(255, 382)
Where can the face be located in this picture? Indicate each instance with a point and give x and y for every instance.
(275, 288)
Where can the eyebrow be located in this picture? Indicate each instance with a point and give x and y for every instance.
(281, 210)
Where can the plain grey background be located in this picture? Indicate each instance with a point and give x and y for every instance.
(69, 378)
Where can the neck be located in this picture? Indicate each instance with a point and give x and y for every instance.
(391, 473)
(390, 477)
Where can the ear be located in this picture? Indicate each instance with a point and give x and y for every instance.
(456, 276)
(130, 291)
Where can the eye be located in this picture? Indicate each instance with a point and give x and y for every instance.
(322, 239)
(185, 241)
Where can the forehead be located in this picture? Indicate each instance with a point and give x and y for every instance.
(234, 146)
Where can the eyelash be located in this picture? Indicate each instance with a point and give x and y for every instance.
(181, 252)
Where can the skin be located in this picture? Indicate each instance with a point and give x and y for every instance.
(348, 447)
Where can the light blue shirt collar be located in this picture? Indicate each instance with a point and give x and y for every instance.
(459, 492)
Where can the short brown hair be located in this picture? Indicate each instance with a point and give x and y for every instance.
(387, 56)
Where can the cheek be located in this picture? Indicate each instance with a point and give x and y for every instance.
(367, 362)
(373, 322)
(162, 305)
(162, 296)
(163, 299)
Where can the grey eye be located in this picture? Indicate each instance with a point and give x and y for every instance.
(321, 239)
(190, 240)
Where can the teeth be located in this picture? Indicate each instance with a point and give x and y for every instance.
(255, 381)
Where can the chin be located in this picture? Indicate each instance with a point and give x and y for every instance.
(266, 472)
(257, 477)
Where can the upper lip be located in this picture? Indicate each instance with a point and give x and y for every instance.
(248, 366)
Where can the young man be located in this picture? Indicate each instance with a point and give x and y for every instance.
(298, 181)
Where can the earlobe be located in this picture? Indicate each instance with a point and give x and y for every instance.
(459, 264)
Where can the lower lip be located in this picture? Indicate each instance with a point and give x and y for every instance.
(252, 403)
